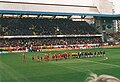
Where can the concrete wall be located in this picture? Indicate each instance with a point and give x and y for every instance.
(104, 6)
(48, 8)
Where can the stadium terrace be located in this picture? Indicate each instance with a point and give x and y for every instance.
(41, 42)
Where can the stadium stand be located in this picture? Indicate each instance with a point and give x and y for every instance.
(43, 27)
(11, 27)
(49, 41)
(115, 35)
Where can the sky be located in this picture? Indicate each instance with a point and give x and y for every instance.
(71, 2)
(117, 6)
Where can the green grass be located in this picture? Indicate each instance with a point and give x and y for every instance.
(13, 69)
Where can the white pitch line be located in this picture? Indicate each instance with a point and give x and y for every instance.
(101, 63)
(106, 58)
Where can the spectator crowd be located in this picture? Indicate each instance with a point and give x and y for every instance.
(49, 41)
(13, 27)
(28, 26)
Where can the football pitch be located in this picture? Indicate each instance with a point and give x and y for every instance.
(14, 69)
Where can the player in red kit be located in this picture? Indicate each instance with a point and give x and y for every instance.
(53, 57)
(41, 58)
(59, 56)
(56, 58)
(38, 58)
(33, 57)
(69, 55)
(24, 57)
(46, 58)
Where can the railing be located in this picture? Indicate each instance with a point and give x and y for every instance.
(48, 36)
